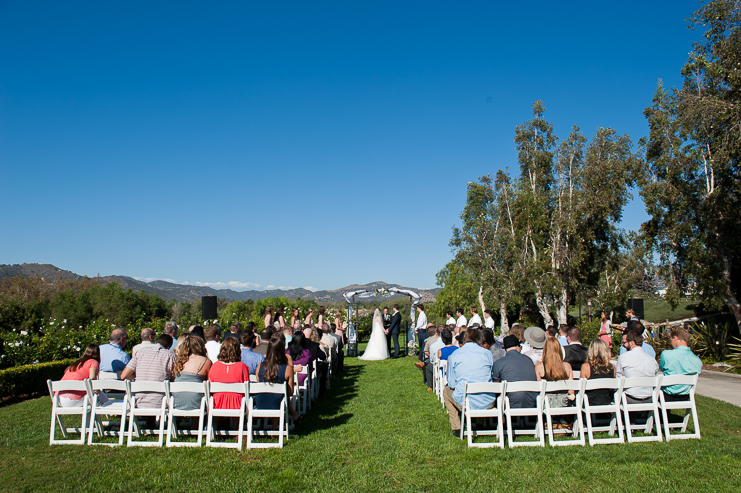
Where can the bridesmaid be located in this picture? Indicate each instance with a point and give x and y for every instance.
(338, 324)
(309, 321)
(295, 316)
(320, 319)
(268, 316)
(279, 318)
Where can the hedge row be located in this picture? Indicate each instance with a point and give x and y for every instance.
(30, 379)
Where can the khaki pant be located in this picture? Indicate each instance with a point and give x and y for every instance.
(454, 410)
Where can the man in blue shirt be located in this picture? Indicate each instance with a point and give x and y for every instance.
(112, 355)
(469, 364)
(679, 361)
(249, 357)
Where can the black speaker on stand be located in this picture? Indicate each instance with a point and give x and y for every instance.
(637, 305)
(208, 308)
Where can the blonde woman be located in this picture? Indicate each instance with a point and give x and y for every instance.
(598, 365)
(268, 318)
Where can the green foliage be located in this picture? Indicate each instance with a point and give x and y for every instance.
(458, 291)
(714, 338)
(30, 379)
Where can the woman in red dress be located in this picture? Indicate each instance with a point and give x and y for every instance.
(229, 369)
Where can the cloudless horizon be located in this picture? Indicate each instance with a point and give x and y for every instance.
(293, 144)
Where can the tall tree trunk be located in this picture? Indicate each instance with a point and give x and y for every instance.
(542, 307)
(729, 297)
(481, 301)
(562, 307)
(503, 318)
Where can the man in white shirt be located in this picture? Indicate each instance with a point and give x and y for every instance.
(421, 329)
(461, 322)
(329, 345)
(450, 320)
(488, 321)
(475, 318)
(636, 363)
(213, 346)
(147, 336)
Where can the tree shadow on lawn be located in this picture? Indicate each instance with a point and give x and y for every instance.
(323, 414)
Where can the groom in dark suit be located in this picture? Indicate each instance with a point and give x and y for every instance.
(386, 321)
(393, 331)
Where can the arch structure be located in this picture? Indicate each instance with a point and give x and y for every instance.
(353, 299)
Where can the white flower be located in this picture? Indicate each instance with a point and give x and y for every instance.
(65, 320)
(51, 323)
(24, 333)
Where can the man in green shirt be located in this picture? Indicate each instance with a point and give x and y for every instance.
(679, 361)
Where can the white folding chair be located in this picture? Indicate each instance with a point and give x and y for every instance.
(135, 410)
(592, 412)
(688, 406)
(254, 413)
(302, 391)
(109, 375)
(495, 412)
(525, 412)
(441, 375)
(576, 374)
(58, 411)
(113, 407)
(211, 433)
(650, 405)
(562, 386)
(173, 413)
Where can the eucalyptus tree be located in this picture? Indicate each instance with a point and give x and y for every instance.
(691, 186)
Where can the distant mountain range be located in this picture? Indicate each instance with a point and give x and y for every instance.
(183, 292)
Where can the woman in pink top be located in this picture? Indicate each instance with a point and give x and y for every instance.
(229, 369)
(85, 367)
(605, 330)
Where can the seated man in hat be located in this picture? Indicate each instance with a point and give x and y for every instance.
(515, 367)
(471, 363)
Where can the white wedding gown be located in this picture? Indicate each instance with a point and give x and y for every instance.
(377, 348)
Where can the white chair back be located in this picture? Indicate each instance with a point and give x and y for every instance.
(160, 412)
(57, 411)
(650, 405)
(234, 388)
(113, 407)
(534, 412)
(689, 406)
(577, 430)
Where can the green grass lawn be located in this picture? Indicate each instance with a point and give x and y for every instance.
(376, 430)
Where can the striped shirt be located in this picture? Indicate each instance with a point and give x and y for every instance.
(151, 364)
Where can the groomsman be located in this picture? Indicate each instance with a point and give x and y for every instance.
(450, 320)
(461, 322)
(394, 329)
(386, 321)
(488, 321)
(475, 318)
(421, 329)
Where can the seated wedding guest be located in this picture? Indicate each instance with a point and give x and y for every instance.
(438, 344)
(519, 331)
(287, 331)
(213, 346)
(228, 369)
(552, 331)
(249, 356)
(515, 367)
(234, 331)
(147, 338)
(535, 337)
(312, 342)
(563, 330)
(276, 368)
(154, 364)
(488, 320)
(300, 355)
(425, 351)
(85, 367)
(192, 365)
(471, 363)
(171, 329)
(329, 343)
(574, 353)
(679, 361)
(112, 355)
(598, 365)
(197, 331)
(635, 363)
(446, 336)
(265, 336)
(490, 343)
(432, 349)
(638, 327)
(552, 369)
(340, 346)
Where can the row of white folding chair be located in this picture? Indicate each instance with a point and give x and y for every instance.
(441, 379)
(126, 408)
(583, 411)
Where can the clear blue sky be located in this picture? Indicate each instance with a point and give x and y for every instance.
(294, 143)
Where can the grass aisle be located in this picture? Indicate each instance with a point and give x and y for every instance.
(377, 430)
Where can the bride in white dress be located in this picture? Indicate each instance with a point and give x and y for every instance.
(377, 348)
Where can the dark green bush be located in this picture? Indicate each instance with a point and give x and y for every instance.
(30, 379)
